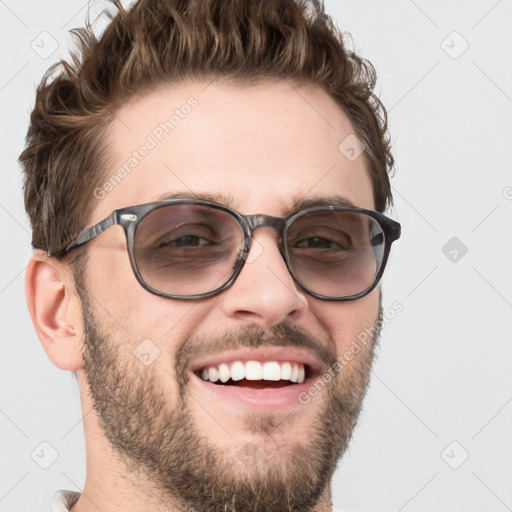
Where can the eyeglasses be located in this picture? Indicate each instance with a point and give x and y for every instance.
(193, 249)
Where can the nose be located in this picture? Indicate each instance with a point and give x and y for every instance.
(264, 293)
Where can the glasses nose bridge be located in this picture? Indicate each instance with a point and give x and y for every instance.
(259, 221)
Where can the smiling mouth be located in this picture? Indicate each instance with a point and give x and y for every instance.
(255, 374)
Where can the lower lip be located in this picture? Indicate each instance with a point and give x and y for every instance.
(270, 398)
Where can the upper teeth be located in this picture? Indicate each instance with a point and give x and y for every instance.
(254, 370)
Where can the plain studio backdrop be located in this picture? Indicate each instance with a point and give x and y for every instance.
(434, 434)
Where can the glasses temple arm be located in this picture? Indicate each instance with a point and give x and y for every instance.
(91, 233)
(396, 231)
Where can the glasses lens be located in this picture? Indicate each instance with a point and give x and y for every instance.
(187, 249)
(336, 254)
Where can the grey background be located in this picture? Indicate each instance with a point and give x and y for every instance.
(441, 389)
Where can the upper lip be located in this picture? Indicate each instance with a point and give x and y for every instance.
(262, 354)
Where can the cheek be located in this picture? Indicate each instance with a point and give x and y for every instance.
(347, 322)
(137, 317)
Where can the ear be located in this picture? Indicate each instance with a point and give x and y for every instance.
(54, 307)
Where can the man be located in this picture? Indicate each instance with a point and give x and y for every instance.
(206, 186)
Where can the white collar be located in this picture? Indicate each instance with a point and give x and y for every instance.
(64, 500)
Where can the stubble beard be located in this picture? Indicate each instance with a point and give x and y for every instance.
(189, 471)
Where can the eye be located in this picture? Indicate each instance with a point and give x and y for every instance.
(318, 242)
(185, 241)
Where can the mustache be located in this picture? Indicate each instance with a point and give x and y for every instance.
(282, 335)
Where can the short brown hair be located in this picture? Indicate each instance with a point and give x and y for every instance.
(168, 41)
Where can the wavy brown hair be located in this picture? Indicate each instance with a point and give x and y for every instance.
(168, 41)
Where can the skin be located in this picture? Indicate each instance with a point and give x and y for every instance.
(263, 147)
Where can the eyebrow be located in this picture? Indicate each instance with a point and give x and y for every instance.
(301, 203)
(297, 204)
(220, 198)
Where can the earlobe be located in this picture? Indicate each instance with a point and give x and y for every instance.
(55, 310)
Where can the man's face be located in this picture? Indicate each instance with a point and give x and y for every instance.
(260, 149)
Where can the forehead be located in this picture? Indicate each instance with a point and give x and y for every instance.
(260, 148)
